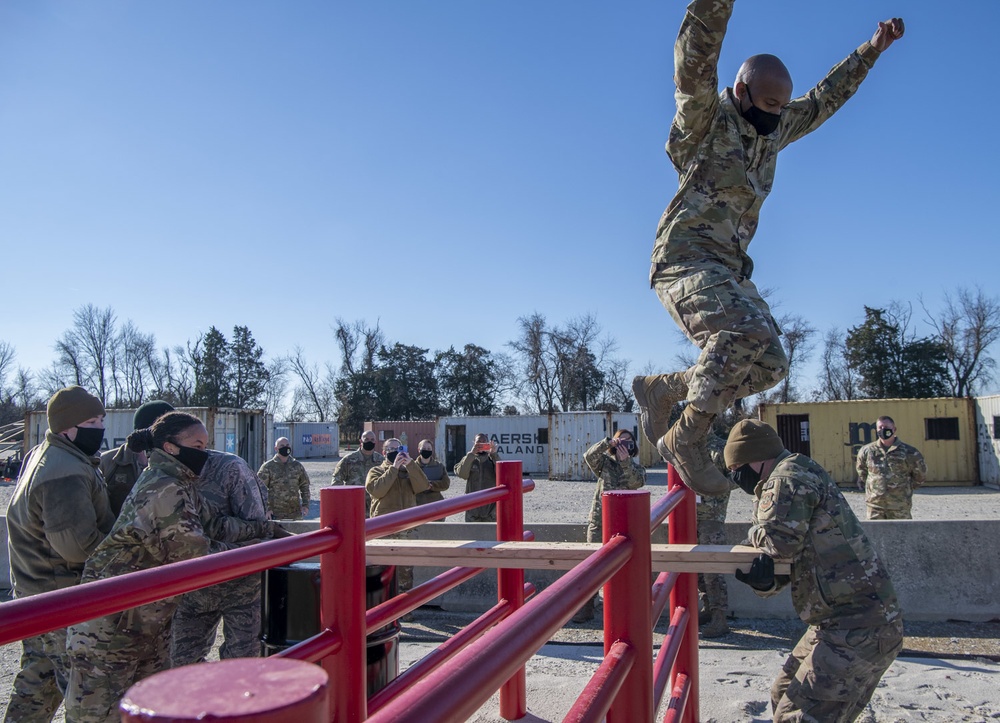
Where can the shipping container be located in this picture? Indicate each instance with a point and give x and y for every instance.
(408, 432)
(517, 436)
(310, 439)
(246, 432)
(988, 438)
(571, 434)
(943, 429)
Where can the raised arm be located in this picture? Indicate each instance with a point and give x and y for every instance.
(807, 113)
(696, 74)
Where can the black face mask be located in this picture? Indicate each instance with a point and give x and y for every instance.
(368, 446)
(763, 122)
(426, 453)
(284, 451)
(888, 433)
(746, 478)
(192, 458)
(391, 456)
(88, 440)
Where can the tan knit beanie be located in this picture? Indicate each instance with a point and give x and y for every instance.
(70, 406)
(752, 441)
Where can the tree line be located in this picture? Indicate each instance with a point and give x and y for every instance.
(547, 368)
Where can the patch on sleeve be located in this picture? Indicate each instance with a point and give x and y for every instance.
(766, 501)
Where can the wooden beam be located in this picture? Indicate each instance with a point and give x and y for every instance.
(555, 555)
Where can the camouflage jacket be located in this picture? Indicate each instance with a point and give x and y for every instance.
(837, 578)
(394, 489)
(714, 507)
(287, 485)
(57, 516)
(611, 473)
(353, 469)
(233, 504)
(159, 523)
(889, 475)
(478, 471)
(726, 169)
(121, 468)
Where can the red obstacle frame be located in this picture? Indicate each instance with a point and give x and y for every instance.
(487, 655)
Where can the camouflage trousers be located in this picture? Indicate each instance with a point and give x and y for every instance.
(236, 604)
(741, 352)
(711, 532)
(877, 513)
(39, 685)
(831, 674)
(111, 654)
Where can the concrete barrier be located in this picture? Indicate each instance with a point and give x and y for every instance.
(942, 570)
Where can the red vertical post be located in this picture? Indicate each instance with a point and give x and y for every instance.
(342, 601)
(510, 582)
(682, 528)
(628, 603)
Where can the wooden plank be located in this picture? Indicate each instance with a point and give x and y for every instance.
(555, 555)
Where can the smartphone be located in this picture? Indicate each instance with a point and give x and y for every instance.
(402, 449)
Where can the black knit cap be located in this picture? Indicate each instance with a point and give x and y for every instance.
(149, 412)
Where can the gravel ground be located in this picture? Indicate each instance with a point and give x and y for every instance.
(564, 501)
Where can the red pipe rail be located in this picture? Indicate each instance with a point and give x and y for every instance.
(486, 656)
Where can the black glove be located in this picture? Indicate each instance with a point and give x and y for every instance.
(761, 575)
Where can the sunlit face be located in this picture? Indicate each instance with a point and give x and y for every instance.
(882, 427)
(195, 436)
(282, 442)
(391, 445)
(770, 94)
(367, 437)
(92, 423)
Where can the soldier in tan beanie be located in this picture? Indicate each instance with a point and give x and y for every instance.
(840, 588)
(57, 516)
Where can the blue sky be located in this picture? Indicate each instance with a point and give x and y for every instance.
(445, 167)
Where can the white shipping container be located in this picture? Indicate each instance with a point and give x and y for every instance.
(573, 433)
(988, 439)
(524, 437)
(310, 439)
(246, 432)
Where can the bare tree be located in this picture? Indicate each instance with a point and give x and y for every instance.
(276, 385)
(797, 340)
(838, 380)
(86, 348)
(359, 345)
(539, 369)
(7, 356)
(314, 395)
(968, 326)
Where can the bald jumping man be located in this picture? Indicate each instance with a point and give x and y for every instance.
(725, 146)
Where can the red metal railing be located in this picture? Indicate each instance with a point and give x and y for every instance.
(487, 655)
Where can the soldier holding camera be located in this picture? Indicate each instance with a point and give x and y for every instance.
(613, 461)
(479, 470)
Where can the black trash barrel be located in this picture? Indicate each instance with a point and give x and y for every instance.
(290, 611)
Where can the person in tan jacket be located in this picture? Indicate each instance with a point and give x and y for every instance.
(479, 469)
(393, 486)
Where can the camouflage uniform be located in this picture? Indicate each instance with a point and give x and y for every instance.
(479, 473)
(57, 516)
(612, 475)
(840, 588)
(353, 470)
(160, 523)
(700, 267)
(287, 485)
(393, 490)
(229, 489)
(889, 476)
(711, 513)
(121, 468)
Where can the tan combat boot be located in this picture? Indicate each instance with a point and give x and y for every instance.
(657, 396)
(685, 446)
(717, 626)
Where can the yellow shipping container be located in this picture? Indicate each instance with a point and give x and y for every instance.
(943, 429)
